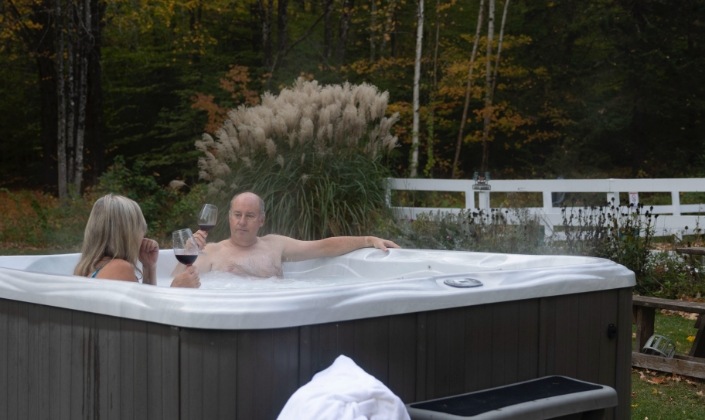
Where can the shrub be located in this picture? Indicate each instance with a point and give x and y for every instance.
(314, 154)
(670, 276)
(629, 239)
(623, 234)
(500, 230)
(165, 209)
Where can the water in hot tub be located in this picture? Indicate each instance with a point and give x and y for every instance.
(302, 278)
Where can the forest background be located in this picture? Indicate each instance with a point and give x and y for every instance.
(579, 89)
(606, 88)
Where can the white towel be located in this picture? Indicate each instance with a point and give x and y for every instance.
(344, 392)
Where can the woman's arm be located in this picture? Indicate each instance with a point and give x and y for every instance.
(149, 253)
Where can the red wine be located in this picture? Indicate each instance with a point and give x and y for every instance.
(206, 227)
(186, 259)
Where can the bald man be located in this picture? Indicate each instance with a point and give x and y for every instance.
(247, 254)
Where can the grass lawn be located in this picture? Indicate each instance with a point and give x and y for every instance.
(662, 396)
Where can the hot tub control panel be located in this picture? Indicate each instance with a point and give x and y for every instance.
(462, 282)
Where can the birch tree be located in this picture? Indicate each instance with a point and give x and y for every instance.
(74, 38)
(491, 71)
(490, 80)
(266, 11)
(61, 35)
(414, 164)
(487, 110)
(431, 118)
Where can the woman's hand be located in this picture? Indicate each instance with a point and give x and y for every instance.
(149, 253)
(188, 278)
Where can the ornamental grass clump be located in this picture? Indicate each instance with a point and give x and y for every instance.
(314, 153)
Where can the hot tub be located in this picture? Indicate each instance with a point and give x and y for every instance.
(238, 348)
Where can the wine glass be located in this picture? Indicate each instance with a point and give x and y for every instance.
(185, 247)
(208, 217)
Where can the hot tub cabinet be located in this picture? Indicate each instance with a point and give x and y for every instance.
(78, 348)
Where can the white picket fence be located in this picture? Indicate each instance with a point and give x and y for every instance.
(675, 218)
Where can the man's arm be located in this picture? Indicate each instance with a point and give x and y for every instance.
(295, 250)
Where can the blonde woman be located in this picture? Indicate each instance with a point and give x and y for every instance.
(114, 241)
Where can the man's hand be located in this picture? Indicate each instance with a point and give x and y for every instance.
(200, 237)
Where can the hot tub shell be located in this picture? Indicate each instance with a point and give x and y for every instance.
(81, 348)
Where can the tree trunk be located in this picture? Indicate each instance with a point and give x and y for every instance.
(265, 15)
(281, 54)
(430, 140)
(82, 96)
(374, 30)
(66, 46)
(69, 79)
(499, 46)
(327, 28)
(282, 26)
(75, 29)
(414, 164)
(94, 158)
(195, 18)
(487, 111)
(389, 28)
(61, 99)
(43, 42)
(282, 40)
(46, 71)
(468, 90)
(344, 30)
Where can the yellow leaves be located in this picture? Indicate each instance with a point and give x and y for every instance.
(690, 338)
(195, 41)
(402, 130)
(13, 25)
(177, 21)
(445, 6)
(388, 66)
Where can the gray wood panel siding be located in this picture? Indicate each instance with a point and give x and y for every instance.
(62, 364)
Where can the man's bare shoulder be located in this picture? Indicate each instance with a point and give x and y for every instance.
(218, 244)
(273, 237)
(213, 249)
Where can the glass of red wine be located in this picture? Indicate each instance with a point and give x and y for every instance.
(208, 217)
(185, 247)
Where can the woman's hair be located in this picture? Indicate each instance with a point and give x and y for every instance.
(113, 230)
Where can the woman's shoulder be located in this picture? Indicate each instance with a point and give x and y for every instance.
(118, 269)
